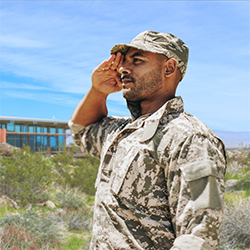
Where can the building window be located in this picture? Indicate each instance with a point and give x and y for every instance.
(18, 141)
(17, 128)
(11, 140)
(60, 130)
(32, 129)
(43, 130)
(32, 142)
(24, 140)
(10, 127)
(60, 142)
(38, 129)
(52, 130)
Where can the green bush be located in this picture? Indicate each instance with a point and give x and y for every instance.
(77, 173)
(74, 243)
(73, 220)
(77, 209)
(25, 177)
(29, 231)
(84, 174)
(69, 200)
(18, 239)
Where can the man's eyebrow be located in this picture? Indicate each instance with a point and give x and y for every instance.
(137, 54)
(134, 55)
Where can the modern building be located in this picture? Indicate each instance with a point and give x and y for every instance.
(41, 135)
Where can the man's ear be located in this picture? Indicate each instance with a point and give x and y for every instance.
(170, 67)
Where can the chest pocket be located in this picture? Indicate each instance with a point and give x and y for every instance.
(123, 160)
(126, 150)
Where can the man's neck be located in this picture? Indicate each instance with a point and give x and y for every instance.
(150, 106)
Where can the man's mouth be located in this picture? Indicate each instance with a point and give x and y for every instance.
(127, 79)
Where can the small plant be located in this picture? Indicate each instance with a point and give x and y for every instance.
(84, 174)
(80, 221)
(12, 237)
(70, 200)
(74, 220)
(31, 229)
(80, 173)
(235, 228)
(25, 176)
(74, 242)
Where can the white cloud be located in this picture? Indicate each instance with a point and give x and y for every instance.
(57, 99)
(11, 85)
(13, 41)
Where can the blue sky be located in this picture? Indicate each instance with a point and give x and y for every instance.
(48, 50)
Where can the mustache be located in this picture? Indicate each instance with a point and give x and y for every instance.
(128, 77)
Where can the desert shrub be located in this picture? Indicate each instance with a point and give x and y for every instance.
(235, 227)
(73, 220)
(32, 230)
(245, 186)
(64, 158)
(25, 176)
(77, 209)
(80, 173)
(227, 248)
(18, 239)
(80, 221)
(62, 164)
(84, 174)
(69, 200)
(72, 148)
(231, 198)
(74, 242)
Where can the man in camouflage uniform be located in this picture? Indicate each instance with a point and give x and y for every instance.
(160, 181)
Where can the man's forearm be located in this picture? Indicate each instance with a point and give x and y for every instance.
(91, 108)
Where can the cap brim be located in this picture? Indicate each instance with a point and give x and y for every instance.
(123, 48)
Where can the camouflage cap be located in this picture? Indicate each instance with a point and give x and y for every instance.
(160, 43)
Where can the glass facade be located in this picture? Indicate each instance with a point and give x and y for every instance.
(37, 142)
(10, 127)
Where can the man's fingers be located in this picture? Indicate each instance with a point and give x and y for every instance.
(116, 61)
(120, 62)
(109, 62)
(113, 63)
(102, 65)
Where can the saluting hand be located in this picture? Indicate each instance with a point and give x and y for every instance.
(106, 78)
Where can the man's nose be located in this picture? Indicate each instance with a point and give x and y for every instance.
(124, 70)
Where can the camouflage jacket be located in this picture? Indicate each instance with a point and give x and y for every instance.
(160, 183)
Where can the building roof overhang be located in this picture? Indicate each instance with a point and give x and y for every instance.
(35, 121)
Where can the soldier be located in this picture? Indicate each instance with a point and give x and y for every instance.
(160, 181)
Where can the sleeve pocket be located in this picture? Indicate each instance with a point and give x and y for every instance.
(201, 177)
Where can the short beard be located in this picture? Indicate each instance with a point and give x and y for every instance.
(150, 83)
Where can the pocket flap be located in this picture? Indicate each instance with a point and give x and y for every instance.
(199, 169)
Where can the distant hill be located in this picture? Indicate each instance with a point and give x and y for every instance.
(233, 139)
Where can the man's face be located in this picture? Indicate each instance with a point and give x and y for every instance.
(142, 75)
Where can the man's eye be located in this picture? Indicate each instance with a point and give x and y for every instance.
(137, 60)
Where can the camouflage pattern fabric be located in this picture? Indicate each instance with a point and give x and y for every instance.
(160, 182)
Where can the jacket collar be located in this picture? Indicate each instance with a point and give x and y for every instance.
(151, 123)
